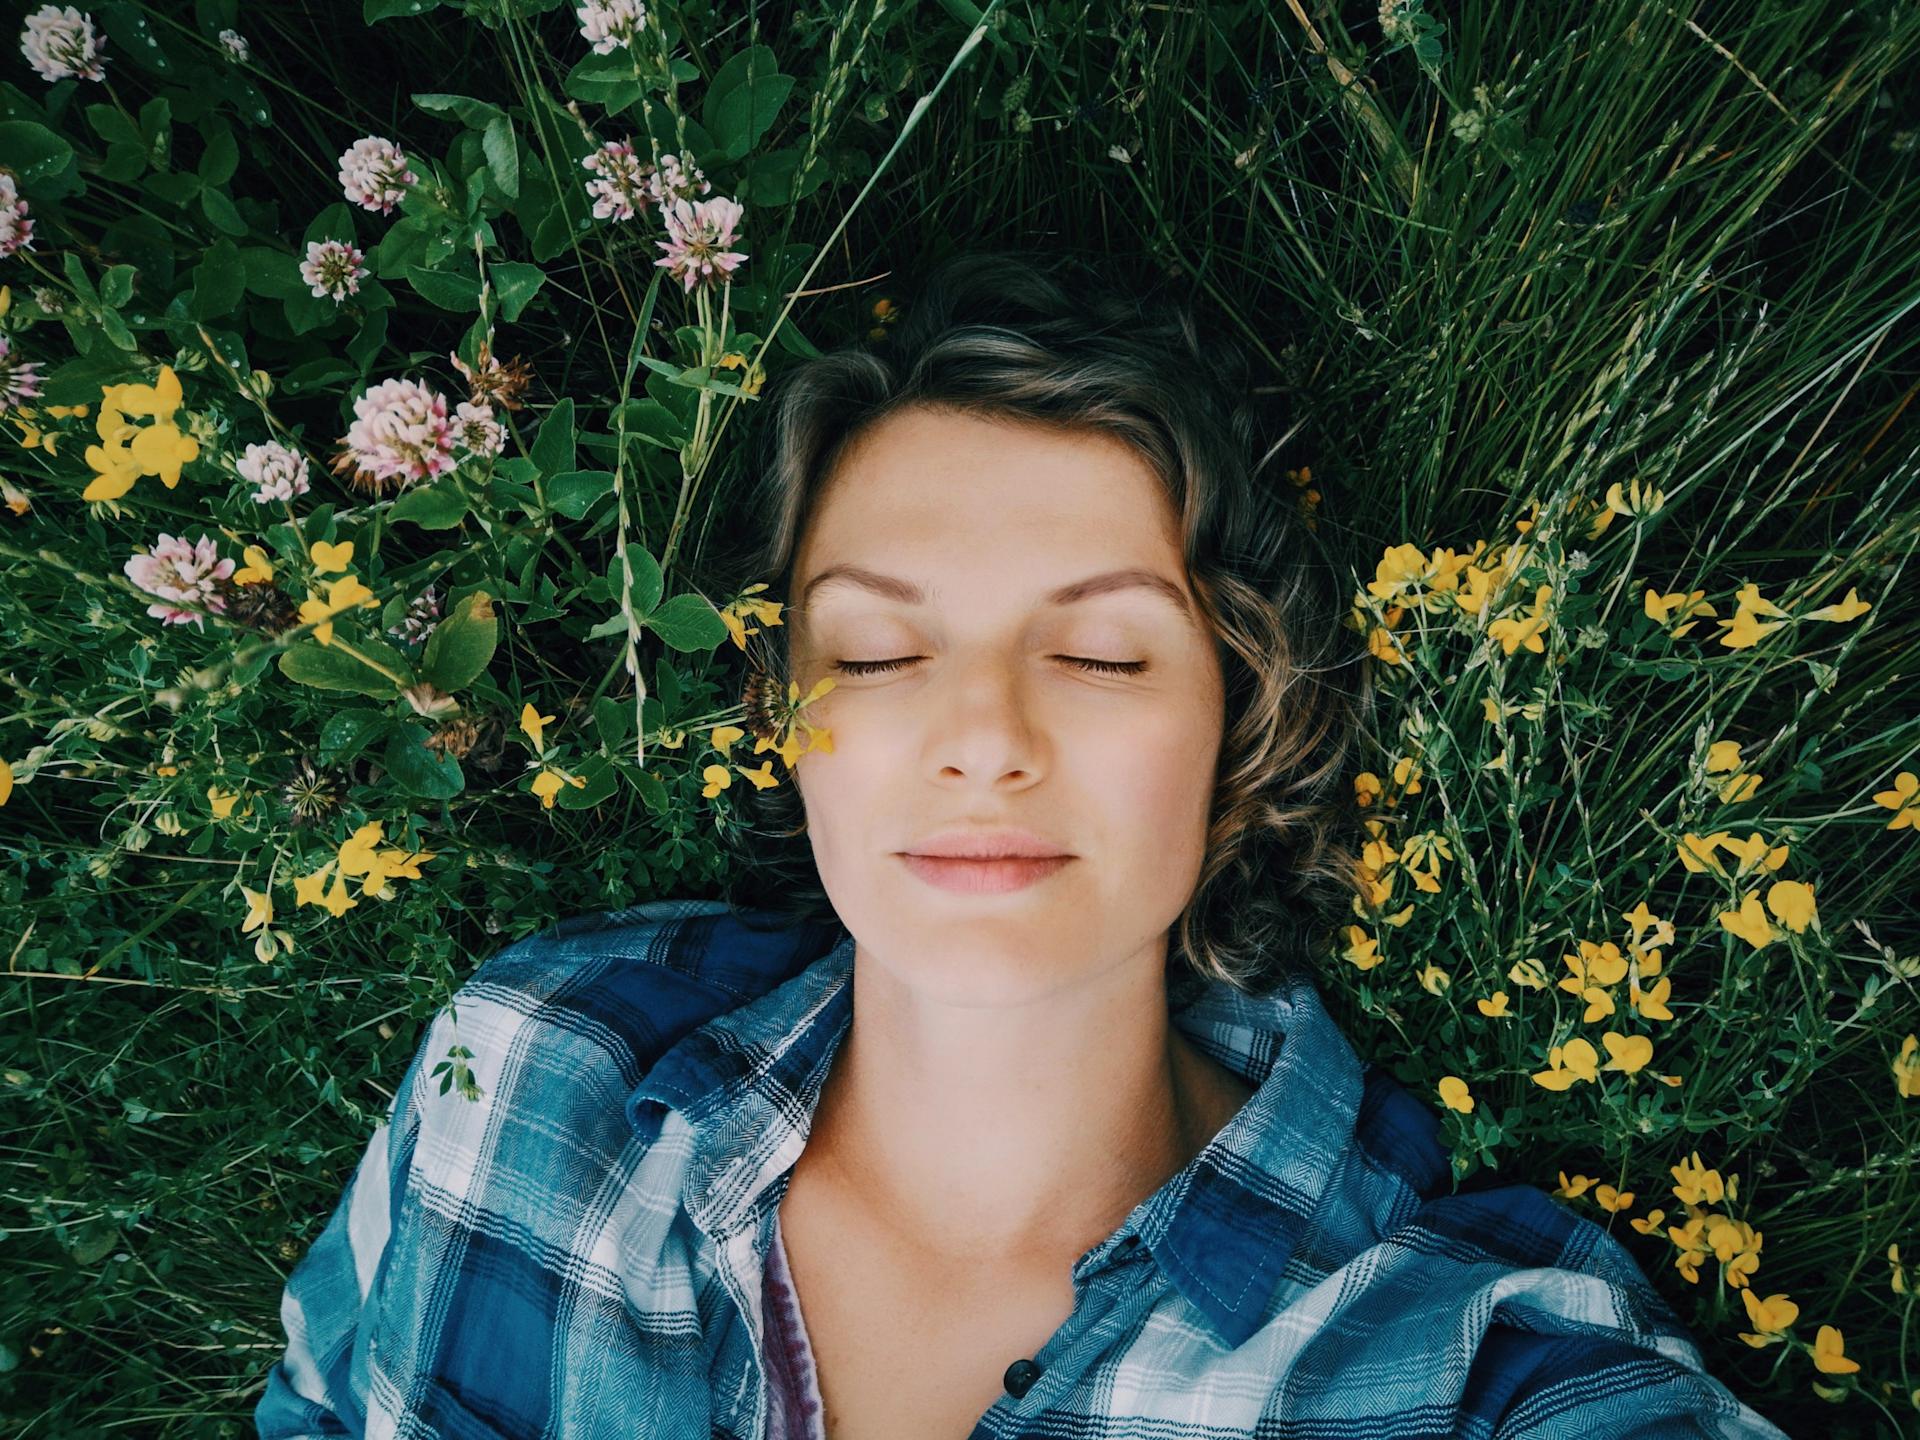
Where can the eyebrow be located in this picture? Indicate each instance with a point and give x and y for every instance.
(907, 593)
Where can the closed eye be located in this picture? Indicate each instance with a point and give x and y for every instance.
(1103, 667)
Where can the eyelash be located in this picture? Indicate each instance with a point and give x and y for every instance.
(1102, 667)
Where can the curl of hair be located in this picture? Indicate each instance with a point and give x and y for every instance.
(1005, 334)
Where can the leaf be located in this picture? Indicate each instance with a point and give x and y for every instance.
(503, 157)
(647, 583)
(601, 778)
(515, 283)
(33, 151)
(651, 419)
(687, 622)
(220, 212)
(329, 667)
(574, 492)
(553, 447)
(116, 286)
(347, 732)
(218, 281)
(745, 96)
(768, 178)
(220, 159)
(449, 292)
(477, 114)
(605, 80)
(461, 644)
(613, 719)
(372, 11)
(430, 774)
(439, 506)
(128, 29)
(273, 273)
(114, 126)
(333, 223)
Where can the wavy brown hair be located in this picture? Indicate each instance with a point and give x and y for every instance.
(1005, 334)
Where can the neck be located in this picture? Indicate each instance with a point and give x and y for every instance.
(1019, 1132)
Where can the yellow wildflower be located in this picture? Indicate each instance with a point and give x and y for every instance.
(1629, 1053)
(1904, 800)
(330, 558)
(128, 451)
(1530, 973)
(1906, 1068)
(550, 782)
(1495, 1007)
(1514, 632)
(1829, 1353)
(1771, 1318)
(1697, 1185)
(356, 853)
(1746, 628)
(736, 614)
(337, 901)
(259, 910)
(1453, 1093)
(760, 779)
(1851, 608)
(258, 567)
(311, 889)
(1362, 950)
(1750, 923)
(1660, 608)
(1576, 1060)
(534, 725)
(342, 595)
(1791, 902)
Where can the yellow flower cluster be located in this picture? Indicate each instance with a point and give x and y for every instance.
(127, 451)
(32, 435)
(1754, 616)
(1447, 582)
(360, 854)
(756, 373)
(796, 736)
(343, 594)
(549, 780)
(1734, 1243)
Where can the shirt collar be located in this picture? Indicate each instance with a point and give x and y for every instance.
(1222, 1229)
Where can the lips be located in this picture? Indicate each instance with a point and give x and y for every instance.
(985, 877)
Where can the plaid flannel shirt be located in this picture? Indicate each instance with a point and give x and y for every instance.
(579, 1254)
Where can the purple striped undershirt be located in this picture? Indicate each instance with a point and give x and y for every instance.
(794, 1408)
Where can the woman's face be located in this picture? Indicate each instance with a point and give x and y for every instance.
(990, 722)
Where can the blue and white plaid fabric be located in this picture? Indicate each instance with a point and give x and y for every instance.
(579, 1254)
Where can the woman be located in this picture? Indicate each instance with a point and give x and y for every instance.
(1094, 1160)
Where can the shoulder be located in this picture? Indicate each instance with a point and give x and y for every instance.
(543, 1043)
(628, 983)
(1560, 1331)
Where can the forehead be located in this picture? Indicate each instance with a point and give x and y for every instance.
(998, 500)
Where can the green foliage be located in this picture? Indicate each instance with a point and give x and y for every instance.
(1516, 271)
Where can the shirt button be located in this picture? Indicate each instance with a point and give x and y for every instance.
(1020, 1377)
